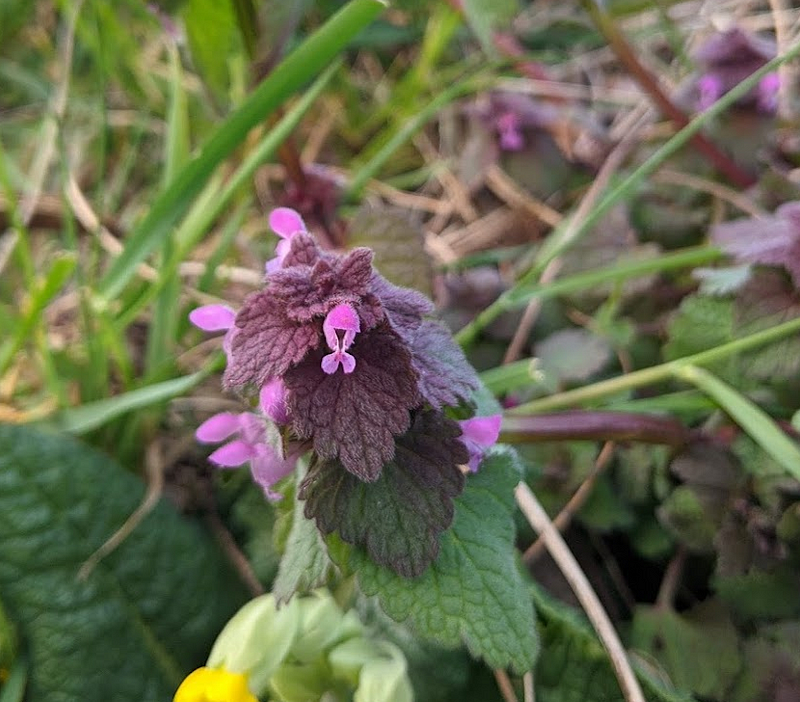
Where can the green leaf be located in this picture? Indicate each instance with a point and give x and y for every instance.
(489, 16)
(474, 592)
(397, 518)
(144, 617)
(699, 649)
(572, 354)
(574, 667)
(305, 564)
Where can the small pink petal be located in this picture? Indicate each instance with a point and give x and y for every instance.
(218, 428)
(212, 317)
(330, 363)
(348, 362)
(267, 468)
(285, 222)
(484, 431)
(233, 454)
(272, 400)
(710, 87)
(341, 317)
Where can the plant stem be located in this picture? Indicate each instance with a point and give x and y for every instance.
(656, 374)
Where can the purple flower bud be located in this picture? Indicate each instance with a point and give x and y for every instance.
(710, 90)
(478, 434)
(212, 317)
(286, 223)
(508, 126)
(768, 89)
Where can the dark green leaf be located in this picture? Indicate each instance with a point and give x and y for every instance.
(397, 518)
(474, 593)
(143, 617)
(699, 649)
(305, 563)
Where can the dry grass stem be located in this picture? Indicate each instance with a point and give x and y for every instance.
(558, 549)
(154, 466)
(578, 499)
(515, 197)
(505, 686)
(735, 198)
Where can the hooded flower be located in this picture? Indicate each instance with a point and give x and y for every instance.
(477, 435)
(355, 354)
(246, 442)
(726, 59)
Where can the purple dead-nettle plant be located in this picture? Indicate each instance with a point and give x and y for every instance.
(356, 369)
(726, 59)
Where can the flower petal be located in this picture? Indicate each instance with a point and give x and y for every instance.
(233, 454)
(330, 363)
(285, 222)
(212, 317)
(218, 428)
(484, 431)
(272, 400)
(348, 362)
(267, 468)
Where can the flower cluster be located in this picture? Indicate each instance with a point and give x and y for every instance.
(727, 59)
(341, 360)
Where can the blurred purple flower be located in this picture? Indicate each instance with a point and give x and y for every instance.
(726, 59)
(478, 434)
(510, 115)
(246, 442)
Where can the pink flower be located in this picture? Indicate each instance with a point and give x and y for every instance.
(248, 444)
(768, 88)
(211, 318)
(342, 318)
(509, 127)
(477, 435)
(272, 401)
(285, 222)
(710, 90)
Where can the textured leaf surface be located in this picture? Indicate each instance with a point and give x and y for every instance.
(354, 417)
(144, 617)
(404, 307)
(399, 517)
(699, 649)
(398, 245)
(305, 563)
(474, 592)
(445, 375)
(573, 666)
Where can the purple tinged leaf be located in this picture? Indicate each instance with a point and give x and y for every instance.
(771, 241)
(218, 428)
(445, 375)
(405, 308)
(398, 518)
(267, 342)
(303, 251)
(355, 416)
(212, 318)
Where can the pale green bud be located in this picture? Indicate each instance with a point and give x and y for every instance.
(257, 640)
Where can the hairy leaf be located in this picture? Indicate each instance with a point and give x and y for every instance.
(445, 375)
(574, 667)
(266, 342)
(355, 416)
(399, 517)
(767, 300)
(699, 649)
(305, 564)
(405, 308)
(473, 593)
(771, 241)
(143, 617)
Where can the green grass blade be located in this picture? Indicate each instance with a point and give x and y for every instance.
(749, 416)
(308, 60)
(79, 420)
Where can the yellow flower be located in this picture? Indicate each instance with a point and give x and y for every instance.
(214, 685)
